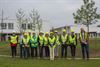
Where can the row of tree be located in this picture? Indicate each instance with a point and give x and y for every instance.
(33, 18)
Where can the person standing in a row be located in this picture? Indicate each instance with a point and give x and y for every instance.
(83, 38)
(26, 45)
(63, 40)
(52, 42)
(34, 45)
(46, 44)
(73, 43)
(13, 44)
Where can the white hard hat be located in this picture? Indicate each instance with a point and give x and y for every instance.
(14, 31)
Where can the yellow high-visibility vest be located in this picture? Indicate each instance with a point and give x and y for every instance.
(13, 39)
(86, 36)
(45, 41)
(57, 40)
(72, 39)
(52, 40)
(26, 40)
(64, 38)
(29, 36)
(41, 40)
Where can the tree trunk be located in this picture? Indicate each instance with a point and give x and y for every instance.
(88, 32)
(88, 28)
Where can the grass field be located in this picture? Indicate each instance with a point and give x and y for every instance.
(17, 62)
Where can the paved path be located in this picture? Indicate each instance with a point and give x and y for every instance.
(59, 58)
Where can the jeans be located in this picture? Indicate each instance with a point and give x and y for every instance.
(21, 51)
(26, 52)
(85, 50)
(64, 50)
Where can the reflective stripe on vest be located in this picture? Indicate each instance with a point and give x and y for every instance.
(14, 39)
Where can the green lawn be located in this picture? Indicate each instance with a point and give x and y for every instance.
(4, 44)
(17, 62)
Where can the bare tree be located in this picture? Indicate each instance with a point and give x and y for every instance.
(36, 20)
(39, 25)
(20, 15)
(32, 19)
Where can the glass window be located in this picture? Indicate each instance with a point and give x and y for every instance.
(24, 26)
(29, 26)
(3, 25)
(10, 26)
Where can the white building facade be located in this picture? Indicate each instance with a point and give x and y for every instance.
(7, 28)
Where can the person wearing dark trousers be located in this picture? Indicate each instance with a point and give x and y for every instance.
(13, 44)
(73, 50)
(73, 43)
(46, 45)
(41, 43)
(63, 51)
(34, 45)
(83, 38)
(63, 40)
(47, 52)
(41, 51)
(25, 42)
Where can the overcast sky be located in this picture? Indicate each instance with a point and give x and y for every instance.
(55, 12)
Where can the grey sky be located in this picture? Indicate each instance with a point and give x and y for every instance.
(56, 12)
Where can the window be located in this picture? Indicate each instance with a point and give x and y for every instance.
(24, 26)
(3, 25)
(29, 26)
(10, 26)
